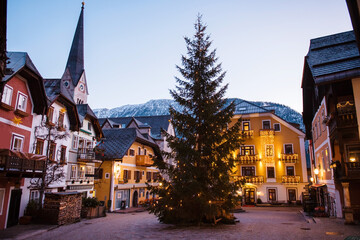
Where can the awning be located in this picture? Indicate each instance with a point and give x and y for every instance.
(22, 155)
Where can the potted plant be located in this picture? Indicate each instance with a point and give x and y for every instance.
(30, 212)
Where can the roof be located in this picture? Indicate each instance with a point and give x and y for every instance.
(75, 63)
(118, 140)
(245, 107)
(85, 110)
(20, 63)
(155, 122)
(18, 60)
(333, 54)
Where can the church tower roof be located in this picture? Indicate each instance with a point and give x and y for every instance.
(75, 63)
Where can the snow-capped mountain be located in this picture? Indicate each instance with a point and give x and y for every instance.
(161, 107)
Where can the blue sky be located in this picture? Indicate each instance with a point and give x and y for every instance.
(132, 46)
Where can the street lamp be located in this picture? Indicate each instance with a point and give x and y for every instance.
(316, 171)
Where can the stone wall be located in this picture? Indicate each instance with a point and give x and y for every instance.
(62, 208)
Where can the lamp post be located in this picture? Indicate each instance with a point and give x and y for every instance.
(316, 172)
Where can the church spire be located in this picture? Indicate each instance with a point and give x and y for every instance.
(75, 63)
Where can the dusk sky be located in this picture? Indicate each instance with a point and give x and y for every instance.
(132, 47)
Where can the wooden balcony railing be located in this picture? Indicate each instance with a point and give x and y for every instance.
(248, 133)
(248, 159)
(352, 170)
(252, 179)
(267, 132)
(22, 167)
(342, 120)
(144, 160)
(290, 179)
(289, 158)
(85, 155)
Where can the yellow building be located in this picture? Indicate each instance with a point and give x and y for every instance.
(126, 166)
(272, 160)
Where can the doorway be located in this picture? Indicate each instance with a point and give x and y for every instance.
(14, 208)
(249, 196)
(135, 199)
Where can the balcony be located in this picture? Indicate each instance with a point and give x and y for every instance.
(289, 158)
(248, 159)
(252, 179)
(352, 170)
(248, 134)
(144, 160)
(267, 132)
(17, 164)
(290, 179)
(86, 155)
(344, 117)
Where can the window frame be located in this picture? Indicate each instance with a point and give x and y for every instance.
(7, 88)
(75, 142)
(275, 194)
(247, 167)
(13, 138)
(50, 115)
(267, 172)
(277, 124)
(18, 100)
(132, 152)
(286, 170)
(262, 125)
(73, 174)
(292, 148)
(61, 119)
(243, 150)
(39, 144)
(243, 127)
(62, 159)
(266, 150)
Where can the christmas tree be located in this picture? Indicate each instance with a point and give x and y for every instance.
(199, 188)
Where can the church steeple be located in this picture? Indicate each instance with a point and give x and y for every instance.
(75, 63)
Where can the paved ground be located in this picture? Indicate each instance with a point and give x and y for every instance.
(255, 223)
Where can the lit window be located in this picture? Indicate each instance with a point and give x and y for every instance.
(269, 150)
(61, 120)
(73, 171)
(246, 126)
(247, 150)
(39, 146)
(272, 194)
(7, 95)
(21, 103)
(52, 151)
(17, 143)
(81, 173)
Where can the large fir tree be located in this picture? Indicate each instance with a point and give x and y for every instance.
(199, 187)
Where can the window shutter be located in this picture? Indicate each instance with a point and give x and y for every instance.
(129, 174)
(140, 173)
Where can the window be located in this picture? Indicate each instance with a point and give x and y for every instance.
(39, 146)
(17, 142)
(248, 171)
(34, 195)
(290, 171)
(272, 194)
(21, 102)
(246, 126)
(288, 149)
(52, 151)
(137, 176)
(269, 150)
(127, 174)
(270, 172)
(7, 95)
(88, 170)
(75, 142)
(144, 151)
(156, 176)
(139, 150)
(327, 157)
(89, 126)
(63, 155)
(148, 176)
(132, 152)
(81, 143)
(247, 150)
(50, 115)
(319, 125)
(73, 171)
(323, 119)
(266, 124)
(98, 173)
(81, 172)
(61, 120)
(316, 131)
(2, 197)
(277, 127)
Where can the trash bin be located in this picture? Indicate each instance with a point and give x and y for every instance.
(123, 204)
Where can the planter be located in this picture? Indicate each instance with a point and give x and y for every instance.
(93, 212)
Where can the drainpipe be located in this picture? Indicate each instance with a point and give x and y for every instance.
(111, 198)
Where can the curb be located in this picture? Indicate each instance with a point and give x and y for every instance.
(31, 234)
(307, 218)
